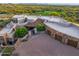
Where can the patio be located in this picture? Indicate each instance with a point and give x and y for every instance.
(43, 45)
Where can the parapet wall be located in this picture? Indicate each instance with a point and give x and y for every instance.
(64, 38)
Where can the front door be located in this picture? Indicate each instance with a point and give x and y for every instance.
(10, 41)
(32, 32)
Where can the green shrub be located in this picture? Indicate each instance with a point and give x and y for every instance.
(20, 32)
(7, 51)
(54, 14)
(3, 23)
(40, 27)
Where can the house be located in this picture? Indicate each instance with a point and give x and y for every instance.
(19, 20)
(6, 34)
(56, 27)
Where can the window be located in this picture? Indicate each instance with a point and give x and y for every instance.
(15, 20)
(1, 41)
(25, 20)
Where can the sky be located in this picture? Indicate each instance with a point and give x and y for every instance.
(40, 1)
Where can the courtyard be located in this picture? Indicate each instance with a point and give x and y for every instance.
(43, 45)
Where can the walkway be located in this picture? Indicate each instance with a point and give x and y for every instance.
(43, 45)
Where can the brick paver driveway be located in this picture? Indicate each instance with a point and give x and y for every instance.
(43, 45)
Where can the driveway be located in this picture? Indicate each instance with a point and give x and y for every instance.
(43, 45)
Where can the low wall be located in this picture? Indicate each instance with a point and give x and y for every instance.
(18, 42)
(64, 38)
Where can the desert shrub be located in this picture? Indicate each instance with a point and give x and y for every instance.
(7, 51)
(40, 27)
(21, 32)
(3, 23)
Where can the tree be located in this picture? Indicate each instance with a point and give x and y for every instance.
(21, 32)
(54, 14)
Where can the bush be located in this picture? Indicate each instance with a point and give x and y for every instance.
(40, 27)
(20, 32)
(54, 14)
(3, 23)
(7, 51)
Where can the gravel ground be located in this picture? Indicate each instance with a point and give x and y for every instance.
(43, 45)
